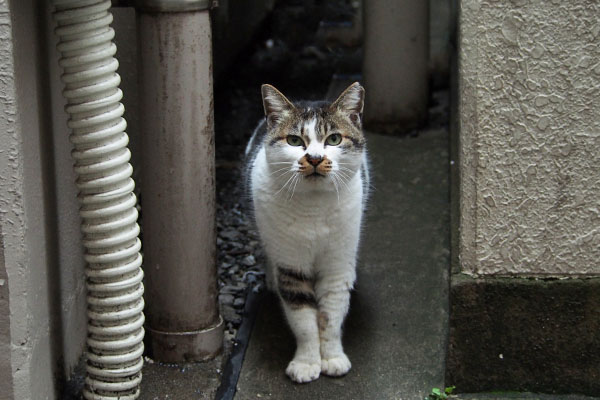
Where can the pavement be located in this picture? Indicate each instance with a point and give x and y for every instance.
(395, 334)
(185, 381)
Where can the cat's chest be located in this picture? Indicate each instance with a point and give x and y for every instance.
(313, 220)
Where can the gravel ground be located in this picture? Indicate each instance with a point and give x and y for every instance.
(240, 259)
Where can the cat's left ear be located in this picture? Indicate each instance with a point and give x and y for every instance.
(351, 102)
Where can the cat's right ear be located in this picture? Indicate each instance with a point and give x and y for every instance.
(276, 105)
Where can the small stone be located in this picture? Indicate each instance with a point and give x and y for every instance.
(239, 302)
(228, 336)
(230, 315)
(233, 270)
(226, 265)
(229, 234)
(257, 288)
(233, 289)
(249, 260)
(226, 299)
(236, 245)
(228, 259)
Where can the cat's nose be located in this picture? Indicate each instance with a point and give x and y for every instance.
(314, 160)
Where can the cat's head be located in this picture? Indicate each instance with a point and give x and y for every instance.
(314, 146)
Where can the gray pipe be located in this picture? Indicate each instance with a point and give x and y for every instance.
(178, 183)
(395, 66)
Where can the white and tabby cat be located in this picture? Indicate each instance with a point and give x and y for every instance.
(308, 176)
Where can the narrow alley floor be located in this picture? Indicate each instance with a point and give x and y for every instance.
(396, 331)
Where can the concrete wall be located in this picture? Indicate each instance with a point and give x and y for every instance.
(38, 210)
(529, 151)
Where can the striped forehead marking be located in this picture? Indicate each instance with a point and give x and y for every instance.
(310, 130)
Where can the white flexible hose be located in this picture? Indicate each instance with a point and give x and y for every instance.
(109, 216)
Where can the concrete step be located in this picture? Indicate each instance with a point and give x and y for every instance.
(520, 396)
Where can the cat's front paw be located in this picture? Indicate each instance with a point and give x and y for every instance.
(303, 372)
(337, 365)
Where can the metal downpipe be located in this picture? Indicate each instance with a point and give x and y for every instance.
(396, 65)
(178, 179)
(109, 216)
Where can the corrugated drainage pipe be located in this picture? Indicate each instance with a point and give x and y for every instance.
(109, 216)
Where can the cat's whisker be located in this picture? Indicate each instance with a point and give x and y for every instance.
(343, 173)
(283, 174)
(345, 178)
(279, 170)
(345, 182)
(289, 188)
(285, 184)
(348, 173)
(340, 177)
(294, 188)
(335, 185)
(346, 169)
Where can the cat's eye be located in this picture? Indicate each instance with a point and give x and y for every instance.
(333, 140)
(294, 140)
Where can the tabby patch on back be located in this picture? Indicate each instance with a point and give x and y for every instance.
(307, 174)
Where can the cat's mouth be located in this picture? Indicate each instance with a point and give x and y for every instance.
(315, 174)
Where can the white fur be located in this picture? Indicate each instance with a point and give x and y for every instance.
(312, 224)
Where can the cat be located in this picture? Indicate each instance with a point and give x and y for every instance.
(308, 177)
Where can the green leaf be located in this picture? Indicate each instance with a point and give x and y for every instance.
(450, 389)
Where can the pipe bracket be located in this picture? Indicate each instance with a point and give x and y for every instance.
(167, 6)
(188, 346)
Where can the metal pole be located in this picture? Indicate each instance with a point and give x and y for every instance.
(178, 180)
(108, 213)
(395, 66)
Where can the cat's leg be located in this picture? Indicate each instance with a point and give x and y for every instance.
(333, 294)
(296, 290)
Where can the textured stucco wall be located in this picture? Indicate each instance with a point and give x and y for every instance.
(28, 336)
(6, 381)
(69, 278)
(529, 114)
(38, 209)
